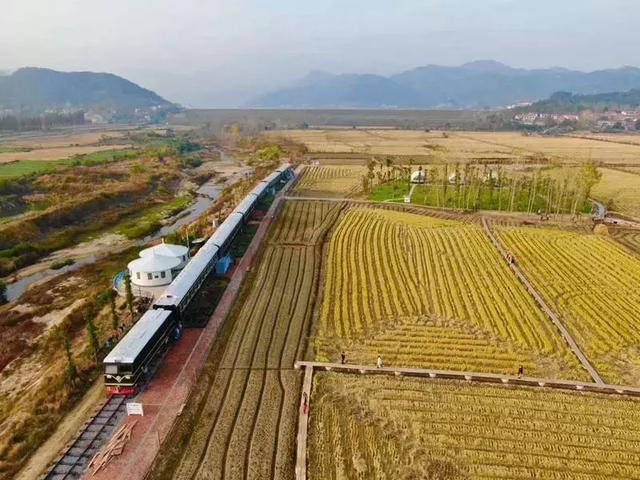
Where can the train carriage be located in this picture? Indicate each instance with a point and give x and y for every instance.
(130, 360)
(126, 365)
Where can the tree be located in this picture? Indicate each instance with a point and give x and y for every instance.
(129, 294)
(3, 293)
(114, 314)
(92, 334)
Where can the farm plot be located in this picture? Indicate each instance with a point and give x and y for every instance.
(383, 427)
(628, 237)
(620, 191)
(432, 293)
(592, 283)
(246, 424)
(330, 181)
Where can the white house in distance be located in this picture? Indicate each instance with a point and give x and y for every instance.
(419, 176)
(168, 250)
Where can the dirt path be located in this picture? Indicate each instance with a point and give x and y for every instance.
(66, 431)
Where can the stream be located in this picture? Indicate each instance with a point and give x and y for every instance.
(205, 196)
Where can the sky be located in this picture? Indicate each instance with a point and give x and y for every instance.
(223, 53)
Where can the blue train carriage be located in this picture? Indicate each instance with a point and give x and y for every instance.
(130, 361)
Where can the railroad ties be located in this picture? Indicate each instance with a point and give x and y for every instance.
(71, 464)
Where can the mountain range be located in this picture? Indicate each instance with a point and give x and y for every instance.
(31, 91)
(480, 84)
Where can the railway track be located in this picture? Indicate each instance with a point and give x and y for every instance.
(71, 464)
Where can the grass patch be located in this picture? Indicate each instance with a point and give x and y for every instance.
(469, 198)
(149, 220)
(29, 167)
(14, 149)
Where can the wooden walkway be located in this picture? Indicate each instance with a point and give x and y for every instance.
(477, 377)
(303, 424)
(550, 313)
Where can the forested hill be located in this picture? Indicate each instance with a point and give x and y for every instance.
(472, 85)
(565, 102)
(32, 91)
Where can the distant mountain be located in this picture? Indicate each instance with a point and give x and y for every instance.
(32, 91)
(565, 102)
(479, 84)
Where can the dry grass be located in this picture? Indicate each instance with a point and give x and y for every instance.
(331, 181)
(494, 147)
(58, 153)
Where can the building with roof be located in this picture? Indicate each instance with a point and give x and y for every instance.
(152, 270)
(168, 250)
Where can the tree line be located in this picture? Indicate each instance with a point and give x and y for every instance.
(15, 123)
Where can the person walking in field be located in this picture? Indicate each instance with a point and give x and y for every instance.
(305, 403)
(343, 357)
(379, 362)
(520, 371)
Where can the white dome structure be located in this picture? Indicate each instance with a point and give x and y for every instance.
(419, 176)
(168, 250)
(152, 270)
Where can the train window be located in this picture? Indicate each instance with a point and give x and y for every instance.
(111, 369)
(163, 274)
(149, 276)
(138, 275)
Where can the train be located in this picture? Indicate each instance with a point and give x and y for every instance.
(127, 365)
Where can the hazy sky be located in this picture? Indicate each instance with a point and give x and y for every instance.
(223, 52)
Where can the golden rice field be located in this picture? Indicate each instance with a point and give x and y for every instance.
(330, 181)
(592, 283)
(495, 147)
(621, 187)
(383, 427)
(57, 153)
(244, 426)
(433, 293)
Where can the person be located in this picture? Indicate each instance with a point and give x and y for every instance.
(343, 357)
(305, 402)
(520, 371)
(379, 362)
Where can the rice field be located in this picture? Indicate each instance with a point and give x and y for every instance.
(592, 283)
(330, 181)
(620, 190)
(246, 422)
(387, 428)
(493, 147)
(58, 153)
(432, 293)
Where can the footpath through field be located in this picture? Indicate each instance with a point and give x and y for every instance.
(168, 392)
(550, 313)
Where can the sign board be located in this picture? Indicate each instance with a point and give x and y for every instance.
(134, 409)
(407, 199)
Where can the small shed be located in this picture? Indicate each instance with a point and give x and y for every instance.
(168, 250)
(152, 270)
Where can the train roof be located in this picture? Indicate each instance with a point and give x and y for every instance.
(174, 293)
(130, 346)
(246, 204)
(284, 167)
(272, 178)
(226, 229)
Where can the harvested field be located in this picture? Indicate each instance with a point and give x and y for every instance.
(46, 154)
(592, 283)
(485, 147)
(432, 293)
(330, 181)
(66, 139)
(628, 237)
(246, 424)
(620, 190)
(383, 427)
